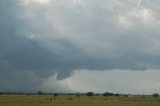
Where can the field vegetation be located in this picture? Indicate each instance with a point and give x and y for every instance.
(80, 100)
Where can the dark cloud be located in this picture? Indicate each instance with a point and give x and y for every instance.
(37, 40)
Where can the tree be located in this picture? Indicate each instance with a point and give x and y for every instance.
(155, 95)
(90, 94)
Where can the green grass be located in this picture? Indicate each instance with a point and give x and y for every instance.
(43, 100)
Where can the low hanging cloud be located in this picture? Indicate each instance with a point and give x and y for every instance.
(42, 38)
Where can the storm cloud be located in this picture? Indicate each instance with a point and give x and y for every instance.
(43, 38)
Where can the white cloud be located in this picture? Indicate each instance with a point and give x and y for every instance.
(143, 15)
(118, 81)
(75, 2)
(41, 2)
(123, 21)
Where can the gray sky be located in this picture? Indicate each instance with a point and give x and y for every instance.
(53, 45)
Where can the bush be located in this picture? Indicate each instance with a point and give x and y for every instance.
(90, 94)
(55, 94)
(108, 94)
(78, 94)
(1, 93)
(117, 94)
(155, 95)
(40, 92)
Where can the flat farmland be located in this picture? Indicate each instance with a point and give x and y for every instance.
(48, 100)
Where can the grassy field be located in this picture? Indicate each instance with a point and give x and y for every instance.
(43, 100)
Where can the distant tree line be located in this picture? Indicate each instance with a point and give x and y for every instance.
(155, 95)
(104, 94)
(116, 94)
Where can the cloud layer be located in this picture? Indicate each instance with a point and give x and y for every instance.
(41, 38)
(117, 81)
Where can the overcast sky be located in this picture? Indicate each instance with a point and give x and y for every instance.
(80, 46)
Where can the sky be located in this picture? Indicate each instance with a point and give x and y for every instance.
(80, 46)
